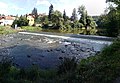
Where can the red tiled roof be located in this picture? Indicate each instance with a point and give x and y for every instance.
(31, 15)
(9, 18)
(2, 17)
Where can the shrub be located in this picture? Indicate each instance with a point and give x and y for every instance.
(102, 68)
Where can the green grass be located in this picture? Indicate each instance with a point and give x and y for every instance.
(31, 28)
(6, 30)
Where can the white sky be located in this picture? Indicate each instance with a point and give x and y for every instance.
(94, 7)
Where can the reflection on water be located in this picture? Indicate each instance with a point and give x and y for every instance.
(72, 31)
(64, 31)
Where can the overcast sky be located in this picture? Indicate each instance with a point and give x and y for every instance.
(94, 7)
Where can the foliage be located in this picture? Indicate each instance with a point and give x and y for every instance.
(58, 21)
(42, 20)
(113, 24)
(67, 65)
(64, 16)
(56, 17)
(83, 13)
(22, 21)
(117, 2)
(113, 18)
(11, 74)
(87, 21)
(50, 12)
(110, 21)
(102, 68)
(74, 15)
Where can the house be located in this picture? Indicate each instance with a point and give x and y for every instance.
(9, 20)
(2, 20)
(31, 19)
(6, 20)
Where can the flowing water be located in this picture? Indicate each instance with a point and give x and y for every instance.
(46, 50)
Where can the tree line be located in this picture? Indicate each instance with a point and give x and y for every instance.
(56, 20)
(110, 20)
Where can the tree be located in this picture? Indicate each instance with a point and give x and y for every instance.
(117, 2)
(110, 21)
(74, 15)
(64, 16)
(81, 9)
(87, 21)
(56, 17)
(42, 20)
(83, 15)
(50, 11)
(3, 15)
(22, 21)
(34, 12)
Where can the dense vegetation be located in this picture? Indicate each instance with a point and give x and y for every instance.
(102, 68)
(21, 21)
(110, 21)
(56, 20)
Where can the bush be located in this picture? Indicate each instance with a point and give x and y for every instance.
(67, 65)
(103, 68)
(22, 21)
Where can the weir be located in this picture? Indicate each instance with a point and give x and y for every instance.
(76, 38)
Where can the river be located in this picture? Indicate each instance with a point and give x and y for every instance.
(46, 50)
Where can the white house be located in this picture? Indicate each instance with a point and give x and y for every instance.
(2, 20)
(9, 20)
(6, 20)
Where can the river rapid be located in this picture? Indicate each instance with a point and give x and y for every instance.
(46, 52)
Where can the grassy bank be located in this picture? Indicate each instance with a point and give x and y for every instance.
(7, 30)
(10, 30)
(31, 28)
(102, 68)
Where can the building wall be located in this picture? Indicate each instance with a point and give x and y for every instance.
(2, 22)
(31, 20)
(8, 22)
